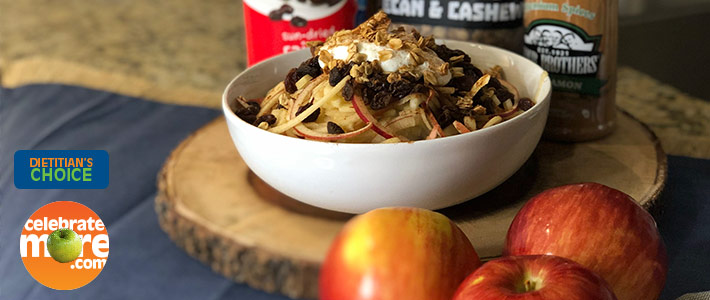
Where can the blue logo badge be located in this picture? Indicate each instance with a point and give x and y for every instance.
(61, 169)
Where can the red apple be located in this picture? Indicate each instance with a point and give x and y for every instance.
(599, 227)
(533, 277)
(397, 253)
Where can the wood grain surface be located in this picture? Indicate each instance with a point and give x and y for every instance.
(218, 211)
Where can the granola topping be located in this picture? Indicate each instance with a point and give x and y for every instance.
(392, 50)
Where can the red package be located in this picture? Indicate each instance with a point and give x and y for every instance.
(278, 26)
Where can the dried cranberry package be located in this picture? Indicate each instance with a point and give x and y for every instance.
(278, 26)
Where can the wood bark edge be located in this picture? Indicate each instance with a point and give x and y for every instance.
(256, 267)
(651, 201)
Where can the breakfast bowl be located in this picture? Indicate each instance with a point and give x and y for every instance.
(355, 178)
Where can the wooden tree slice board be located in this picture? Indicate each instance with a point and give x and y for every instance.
(214, 208)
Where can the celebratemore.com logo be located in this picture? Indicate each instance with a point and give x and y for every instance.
(61, 169)
(64, 245)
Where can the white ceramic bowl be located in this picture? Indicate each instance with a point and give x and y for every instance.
(355, 178)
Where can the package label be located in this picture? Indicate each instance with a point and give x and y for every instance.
(470, 14)
(277, 26)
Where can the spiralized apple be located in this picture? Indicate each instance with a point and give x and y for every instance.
(409, 119)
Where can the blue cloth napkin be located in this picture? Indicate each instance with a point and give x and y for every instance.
(143, 263)
(696, 296)
(685, 226)
(138, 135)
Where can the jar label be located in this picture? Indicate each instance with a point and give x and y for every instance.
(567, 52)
(470, 14)
(279, 26)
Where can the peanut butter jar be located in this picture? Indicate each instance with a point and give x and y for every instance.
(576, 42)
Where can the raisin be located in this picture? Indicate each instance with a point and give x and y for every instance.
(525, 104)
(336, 75)
(368, 94)
(252, 108)
(290, 81)
(309, 67)
(503, 94)
(275, 15)
(348, 90)
(334, 128)
(313, 117)
(471, 69)
(420, 88)
(486, 102)
(401, 88)
(448, 115)
(378, 82)
(286, 9)
(298, 21)
(445, 53)
(464, 83)
(271, 119)
(494, 83)
(248, 113)
(499, 90)
(376, 92)
(381, 100)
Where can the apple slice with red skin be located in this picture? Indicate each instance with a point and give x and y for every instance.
(506, 114)
(397, 253)
(432, 119)
(434, 132)
(460, 127)
(599, 227)
(367, 117)
(533, 277)
(314, 135)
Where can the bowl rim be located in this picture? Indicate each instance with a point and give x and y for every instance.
(545, 98)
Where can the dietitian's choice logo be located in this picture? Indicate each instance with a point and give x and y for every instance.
(61, 169)
(64, 245)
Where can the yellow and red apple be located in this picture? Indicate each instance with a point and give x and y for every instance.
(599, 227)
(533, 277)
(397, 253)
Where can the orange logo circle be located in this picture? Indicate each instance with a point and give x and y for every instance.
(64, 245)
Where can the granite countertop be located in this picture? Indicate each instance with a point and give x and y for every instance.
(186, 52)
